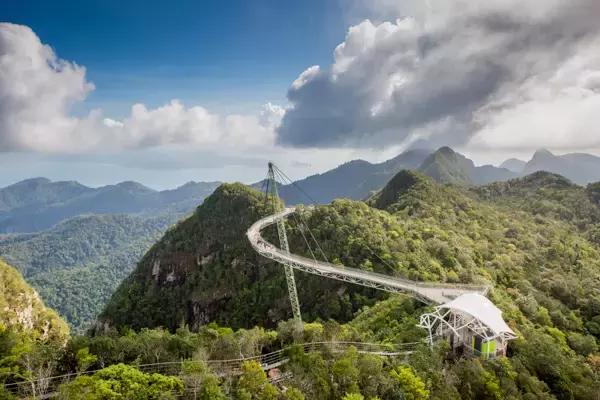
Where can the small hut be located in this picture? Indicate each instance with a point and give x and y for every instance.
(471, 324)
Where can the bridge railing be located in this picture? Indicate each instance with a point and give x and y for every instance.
(268, 249)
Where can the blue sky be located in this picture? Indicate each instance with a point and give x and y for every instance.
(227, 55)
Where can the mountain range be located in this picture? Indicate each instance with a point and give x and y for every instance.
(532, 239)
(447, 166)
(358, 179)
(65, 236)
(580, 168)
(36, 204)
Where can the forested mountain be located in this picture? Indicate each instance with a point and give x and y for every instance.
(356, 179)
(22, 310)
(579, 167)
(36, 204)
(547, 194)
(447, 166)
(542, 261)
(77, 265)
(204, 269)
(524, 236)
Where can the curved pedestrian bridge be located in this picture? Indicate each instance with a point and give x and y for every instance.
(428, 292)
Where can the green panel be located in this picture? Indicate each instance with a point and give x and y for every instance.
(492, 346)
(488, 348)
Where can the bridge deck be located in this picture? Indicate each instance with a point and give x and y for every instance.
(437, 293)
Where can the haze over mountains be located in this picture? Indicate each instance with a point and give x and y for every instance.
(36, 204)
(358, 179)
(581, 168)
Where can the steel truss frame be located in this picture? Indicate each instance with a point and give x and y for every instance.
(443, 319)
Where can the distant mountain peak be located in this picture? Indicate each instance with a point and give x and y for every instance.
(445, 150)
(401, 183)
(448, 166)
(132, 185)
(356, 163)
(356, 179)
(542, 153)
(578, 167)
(514, 165)
(29, 183)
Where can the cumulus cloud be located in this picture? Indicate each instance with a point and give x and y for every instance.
(38, 90)
(501, 73)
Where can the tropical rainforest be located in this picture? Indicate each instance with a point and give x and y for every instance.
(201, 293)
(77, 265)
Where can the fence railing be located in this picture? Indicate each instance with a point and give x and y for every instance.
(47, 387)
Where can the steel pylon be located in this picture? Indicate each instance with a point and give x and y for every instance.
(283, 242)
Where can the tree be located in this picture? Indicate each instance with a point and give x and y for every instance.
(293, 394)
(346, 373)
(371, 374)
(84, 359)
(211, 390)
(34, 362)
(122, 382)
(411, 385)
(200, 382)
(476, 382)
(253, 383)
(353, 396)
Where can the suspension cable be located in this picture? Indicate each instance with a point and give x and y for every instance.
(300, 228)
(314, 202)
(284, 177)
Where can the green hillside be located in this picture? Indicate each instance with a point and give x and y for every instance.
(543, 265)
(542, 262)
(204, 269)
(22, 310)
(447, 166)
(78, 264)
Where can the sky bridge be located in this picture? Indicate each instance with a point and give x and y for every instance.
(462, 313)
(428, 292)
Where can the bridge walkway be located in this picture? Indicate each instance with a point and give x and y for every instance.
(428, 292)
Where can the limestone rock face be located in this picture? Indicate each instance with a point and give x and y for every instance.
(22, 309)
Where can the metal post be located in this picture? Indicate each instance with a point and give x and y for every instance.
(283, 241)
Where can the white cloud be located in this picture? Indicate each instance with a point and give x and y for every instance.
(494, 74)
(38, 90)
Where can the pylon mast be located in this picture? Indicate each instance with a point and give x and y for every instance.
(283, 242)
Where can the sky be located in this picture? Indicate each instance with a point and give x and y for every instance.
(168, 92)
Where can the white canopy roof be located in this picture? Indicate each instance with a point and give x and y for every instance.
(481, 308)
